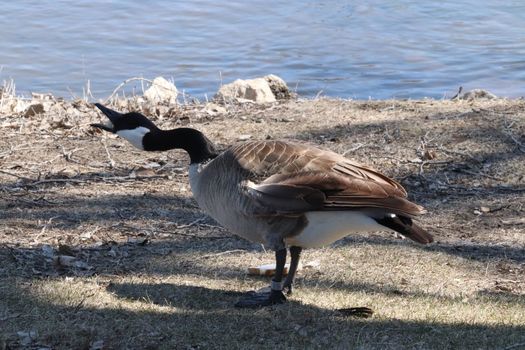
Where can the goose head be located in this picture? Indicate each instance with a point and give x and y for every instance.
(132, 126)
(145, 135)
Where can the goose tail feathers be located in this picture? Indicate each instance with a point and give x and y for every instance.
(406, 227)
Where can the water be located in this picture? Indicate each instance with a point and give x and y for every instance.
(350, 49)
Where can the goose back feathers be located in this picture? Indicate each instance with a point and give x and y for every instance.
(280, 172)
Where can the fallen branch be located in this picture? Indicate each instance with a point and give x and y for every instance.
(520, 145)
(193, 223)
(81, 303)
(39, 182)
(15, 175)
(223, 253)
(513, 221)
(111, 161)
(514, 346)
(480, 174)
(169, 232)
(464, 154)
(422, 163)
(121, 85)
(355, 148)
(87, 180)
(9, 317)
(68, 156)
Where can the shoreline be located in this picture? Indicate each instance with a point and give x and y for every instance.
(161, 93)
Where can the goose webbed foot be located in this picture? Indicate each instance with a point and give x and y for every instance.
(254, 300)
(288, 289)
(275, 294)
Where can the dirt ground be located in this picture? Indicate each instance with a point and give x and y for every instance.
(102, 246)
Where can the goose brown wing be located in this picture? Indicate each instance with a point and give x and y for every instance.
(293, 178)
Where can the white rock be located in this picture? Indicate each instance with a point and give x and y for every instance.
(244, 137)
(97, 345)
(13, 105)
(48, 251)
(257, 90)
(161, 90)
(478, 94)
(214, 109)
(20, 105)
(278, 86)
(26, 338)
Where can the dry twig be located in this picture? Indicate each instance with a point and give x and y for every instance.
(223, 253)
(464, 154)
(456, 96)
(121, 85)
(15, 175)
(514, 346)
(111, 161)
(168, 231)
(521, 146)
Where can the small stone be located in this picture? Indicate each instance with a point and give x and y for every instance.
(42, 96)
(97, 345)
(143, 172)
(34, 109)
(152, 165)
(26, 338)
(60, 124)
(485, 209)
(429, 154)
(19, 106)
(255, 90)
(84, 236)
(48, 251)
(161, 111)
(161, 90)
(477, 94)
(244, 137)
(214, 109)
(72, 112)
(303, 332)
(278, 86)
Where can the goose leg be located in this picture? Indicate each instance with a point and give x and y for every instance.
(275, 295)
(295, 253)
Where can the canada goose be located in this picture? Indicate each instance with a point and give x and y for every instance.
(278, 193)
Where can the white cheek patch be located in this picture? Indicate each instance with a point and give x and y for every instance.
(134, 136)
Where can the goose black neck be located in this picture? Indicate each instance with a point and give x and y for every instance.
(198, 146)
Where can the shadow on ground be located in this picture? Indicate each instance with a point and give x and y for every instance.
(200, 317)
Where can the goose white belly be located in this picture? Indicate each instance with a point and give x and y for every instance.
(325, 227)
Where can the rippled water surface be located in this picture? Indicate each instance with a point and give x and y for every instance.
(350, 49)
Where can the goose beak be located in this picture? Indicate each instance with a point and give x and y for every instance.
(112, 116)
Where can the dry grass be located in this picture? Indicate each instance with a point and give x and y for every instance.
(150, 269)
